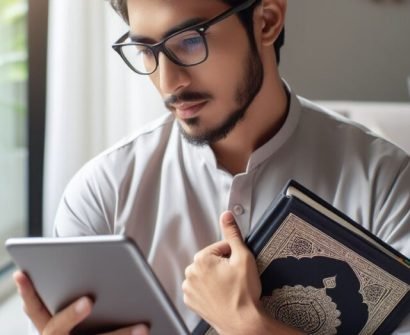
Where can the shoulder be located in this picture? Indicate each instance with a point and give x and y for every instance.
(107, 174)
(370, 175)
(137, 148)
(101, 187)
(319, 116)
(145, 139)
(355, 148)
(345, 133)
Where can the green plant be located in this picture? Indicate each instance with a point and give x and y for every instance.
(13, 72)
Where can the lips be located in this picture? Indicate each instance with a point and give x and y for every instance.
(188, 110)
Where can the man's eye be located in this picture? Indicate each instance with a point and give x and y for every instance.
(144, 52)
(191, 44)
(192, 41)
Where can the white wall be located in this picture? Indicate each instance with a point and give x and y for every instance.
(348, 50)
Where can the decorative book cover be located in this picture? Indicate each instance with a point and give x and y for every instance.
(323, 273)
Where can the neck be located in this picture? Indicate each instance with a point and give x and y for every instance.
(262, 121)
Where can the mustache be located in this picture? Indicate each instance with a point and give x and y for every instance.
(186, 97)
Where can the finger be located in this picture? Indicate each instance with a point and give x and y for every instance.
(220, 249)
(230, 229)
(33, 306)
(134, 330)
(64, 321)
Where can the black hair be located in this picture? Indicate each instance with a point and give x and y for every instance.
(246, 17)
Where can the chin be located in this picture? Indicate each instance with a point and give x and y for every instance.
(190, 123)
(192, 134)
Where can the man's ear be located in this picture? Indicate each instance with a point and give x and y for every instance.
(269, 20)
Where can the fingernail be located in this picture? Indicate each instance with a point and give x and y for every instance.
(139, 330)
(228, 217)
(82, 306)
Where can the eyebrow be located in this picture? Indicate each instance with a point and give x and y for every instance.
(173, 30)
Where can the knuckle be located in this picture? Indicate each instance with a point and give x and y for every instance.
(189, 272)
(201, 257)
(184, 286)
(197, 256)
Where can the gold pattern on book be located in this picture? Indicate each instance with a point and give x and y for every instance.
(307, 308)
(296, 238)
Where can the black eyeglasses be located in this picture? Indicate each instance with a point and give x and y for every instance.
(186, 47)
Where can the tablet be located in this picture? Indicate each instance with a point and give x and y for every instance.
(109, 269)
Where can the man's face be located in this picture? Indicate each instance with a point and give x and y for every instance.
(207, 99)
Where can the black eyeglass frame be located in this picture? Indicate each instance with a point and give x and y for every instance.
(156, 48)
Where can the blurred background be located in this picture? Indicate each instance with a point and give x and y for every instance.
(65, 96)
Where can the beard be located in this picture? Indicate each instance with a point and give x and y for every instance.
(244, 95)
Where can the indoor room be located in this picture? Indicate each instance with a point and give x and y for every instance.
(68, 97)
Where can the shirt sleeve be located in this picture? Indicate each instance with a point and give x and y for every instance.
(393, 206)
(86, 207)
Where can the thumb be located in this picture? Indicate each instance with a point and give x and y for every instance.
(230, 229)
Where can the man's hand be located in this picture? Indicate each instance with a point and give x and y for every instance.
(222, 284)
(64, 321)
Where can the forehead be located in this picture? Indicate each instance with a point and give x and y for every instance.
(152, 18)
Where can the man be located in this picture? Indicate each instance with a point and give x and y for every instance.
(234, 135)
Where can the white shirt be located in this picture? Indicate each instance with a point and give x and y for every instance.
(168, 194)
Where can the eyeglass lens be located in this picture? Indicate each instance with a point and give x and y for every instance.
(186, 48)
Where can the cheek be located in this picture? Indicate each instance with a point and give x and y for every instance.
(220, 74)
(154, 78)
(228, 54)
(225, 68)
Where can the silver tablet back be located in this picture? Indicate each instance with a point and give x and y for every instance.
(110, 269)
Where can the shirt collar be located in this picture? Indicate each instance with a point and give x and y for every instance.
(284, 133)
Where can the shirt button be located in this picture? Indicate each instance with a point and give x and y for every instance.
(238, 210)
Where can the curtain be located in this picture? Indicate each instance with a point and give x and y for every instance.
(93, 99)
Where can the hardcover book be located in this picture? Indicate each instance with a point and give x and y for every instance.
(323, 273)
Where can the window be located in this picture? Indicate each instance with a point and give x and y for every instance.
(13, 121)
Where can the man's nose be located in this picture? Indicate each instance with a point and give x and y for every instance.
(172, 77)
